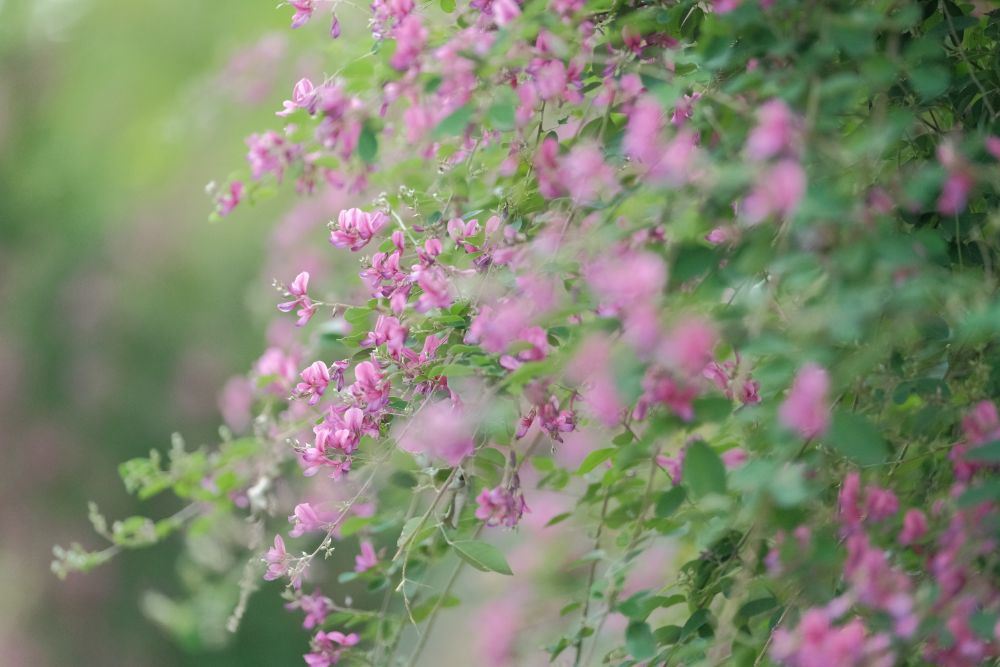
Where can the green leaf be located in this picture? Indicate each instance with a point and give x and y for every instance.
(594, 459)
(454, 124)
(501, 116)
(639, 641)
(703, 471)
(482, 556)
(857, 438)
(988, 453)
(447, 6)
(368, 144)
(670, 501)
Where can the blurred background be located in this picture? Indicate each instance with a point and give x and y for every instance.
(123, 311)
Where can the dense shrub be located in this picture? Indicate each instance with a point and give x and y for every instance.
(680, 314)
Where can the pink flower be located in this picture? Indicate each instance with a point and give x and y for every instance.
(370, 386)
(993, 146)
(505, 11)
(231, 199)
(688, 347)
(301, 301)
(303, 97)
(387, 330)
(955, 193)
(316, 607)
(806, 410)
(501, 506)
(778, 192)
(303, 11)
(367, 559)
(673, 466)
(774, 133)
(411, 37)
(276, 559)
(914, 527)
(355, 228)
(880, 504)
(734, 458)
(327, 648)
(307, 519)
(586, 175)
(440, 431)
(436, 290)
(315, 380)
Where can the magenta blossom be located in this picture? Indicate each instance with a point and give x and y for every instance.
(355, 228)
(301, 300)
(440, 431)
(231, 198)
(303, 11)
(307, 519)
(303, 97)
(327, 648)
(316, 607)
(367, 559)
(806, 410)
(315, 380)
(501, 506)
(914, 527)
(276, 559)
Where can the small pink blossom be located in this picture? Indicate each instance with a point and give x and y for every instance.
(367, 559)
(774, 133)
(276, 559)
(880, 504)
(303, 11)
(806, 410)
(327, 648)
(231, 198)
(315, 380)
(914, 527)
(316, 607)
(501, 506)
(440, 431)
(411, 37)
(307, 519)
(778, 192)
(306, 307)
(355, 228)
(303, 97)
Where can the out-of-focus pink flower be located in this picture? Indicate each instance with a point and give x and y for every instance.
(307, 519)
(993, 146)
(327, 648)
(880, 504)
(688, 347)
(774, 133)
(236, 402)
(276, 559)
(955, 193)
(436, 290)
(316, 607)
(505, 11)
(586, 175)
(371, 386)
(306, 307)
(439, 430)
(734, 458)
(778, 192)
(231, 198)
(806, 410)
(303, 11)
(367, 559)
(501, 506)
(914, 527)
(411, 37)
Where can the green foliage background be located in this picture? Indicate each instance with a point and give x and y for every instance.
(122, 311)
